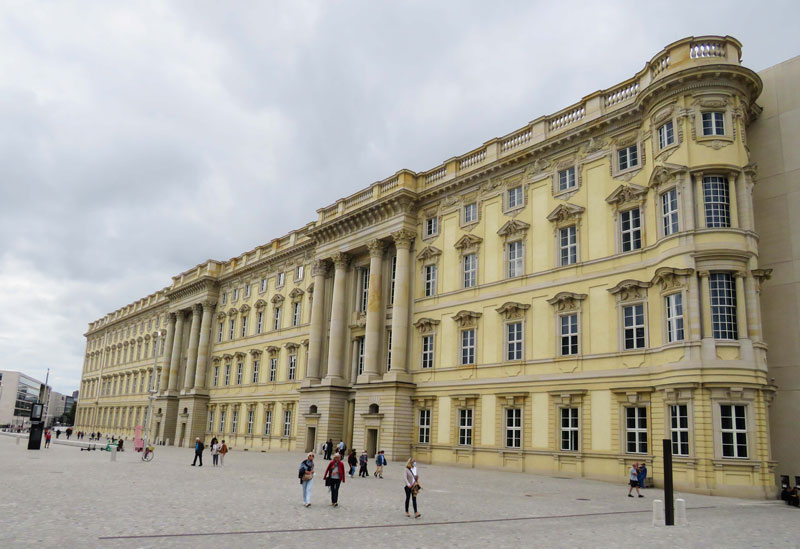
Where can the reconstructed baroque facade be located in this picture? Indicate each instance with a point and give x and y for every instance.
(558, 300)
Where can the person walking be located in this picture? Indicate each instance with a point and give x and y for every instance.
(341, 447)
(634, 480)
(352, 461)
(330, 449)
(198, 451)
(306, 475)
(412, 487)
(334, 477)
(47, 437)
(363, 460)
(214, 447)
(58, 433)
(223, 450)
(380, 461)
(642, 474)
(69, 432)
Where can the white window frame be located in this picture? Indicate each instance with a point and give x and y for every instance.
(429, 279)
(678, 432)
(227, 374)
(299, 272)
(628, 158)
(424, 426)
(431, 226)
(259, 322)
(216, 376)
(236, 294)
(292, 367)
(235, 421)
(393, 276)
(428, 351)
(634, 326)
(572, 338)
(635, 434)
(514, 342)
(239, 372)
(263, 286)
(470, 213)
(712, 123)
(566, 179)
(666, 135)
(267, 423)
(247, 290)
(568, 245)
(466, 417)
(360, 355)
(388, 350)
(222, 415)
(273, 369)
(469, 270)
(221, 332)
(287, 423)
(716, 202)
(210, 421)
(363, 287)
(231, 329)
(250, 418)
(670, 212)
(276, 317)
(244, 325)
(515, 198)
(571, 429)
(675, 324)
(296, 313)
(632, 233)
(515, 266)
(467, 355)
(724, 306)
(513, 418)
(735, 430)
(280, 279)
(256, 368)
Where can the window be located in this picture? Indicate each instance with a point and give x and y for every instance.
(231, 328)
(568, 245)
(514, 341)
(430, 280)
(468, 346)
(734, 430)
(566, 179)
(292, 366)
(470, 270)
(244, 326)
(263, 287)
(227, 374)
(569, 334)
(514, 255)
(225, 298)
(276, 318)
(669, 211)
(679, 429)
(569, 429)
(360, 355)
(431, 226)
(210, 420)
(259, 322)
(268, 423)
(235, 294)
(239, 373)
(514, 198)
(280, 280)
(717, 201)
(287, 423)
(666, 135)
(636, 430)
(299, 272)
(465, 426)
(363, 296)
(674, 306)
(250, 415)
(633, 317)
(723, 306)
(391, 285)
(714, 123)
(216, 376)
(235, 421)
(247, 290)
(222, 421)
(389, 351)
(256, 367)
(470, 213)
(427, 351)
(273, 368)
(630, 225)
(424, 427)
(628, 157)
(296, 313)
(513, 428)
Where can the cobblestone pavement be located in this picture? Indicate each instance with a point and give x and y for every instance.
(65, 497)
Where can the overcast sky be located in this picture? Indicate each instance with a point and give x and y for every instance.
(139, 139)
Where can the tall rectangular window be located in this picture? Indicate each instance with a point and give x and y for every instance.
(222, 421)
(514, 341)
(244, 326)
(287, 423)
(389, 351)
(296, 313)
(273, 369)
(276, 318)
(427, 351)
(666, 135)
(714, 123)
(280, 280)
(569, 429)
(674, 306)
(631, 230)
(360, 356)
(299, 272)
(393, 277)
(235, 421)
(470, 270)
(431, 226)
(636, 430)
(224, 298)
(363, 295)
(424, 427)
(568, 245)
(256, 367)
(210, 420)
(717, 201)
(231, 328)
(227, 374)
(268, 422)
(239, 373)
(634, 327)
(216, 376)
(679, 429)
(292, 366)
(468, 346)
(514, 256)
(723, 306)
(569, 334)
(263, 287)
(430, 280)
(514, 198)
(236, 294)
(465, 427)
(513, 427)
(247, 290)
(259, 322)
(628, 157)
(566, 179)
(734, 430)
(250, 415)
(669, 211)
(470, 213)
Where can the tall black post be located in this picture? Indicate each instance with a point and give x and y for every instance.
(669, 504)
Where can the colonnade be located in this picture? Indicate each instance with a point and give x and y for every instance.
(197, 352)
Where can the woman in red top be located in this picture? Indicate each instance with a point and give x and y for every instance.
(334, 472)
(47, 436)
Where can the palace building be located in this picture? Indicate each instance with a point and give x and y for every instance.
(558, 301)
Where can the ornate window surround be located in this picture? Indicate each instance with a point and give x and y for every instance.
(567, 303)
(427, 327)
(631, 292)
(627, 197)
(563, 216)
(511, 312)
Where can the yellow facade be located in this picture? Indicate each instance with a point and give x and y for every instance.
(558, 300)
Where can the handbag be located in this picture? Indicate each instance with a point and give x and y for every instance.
(308, 475)
(328, 481)
(415, 489)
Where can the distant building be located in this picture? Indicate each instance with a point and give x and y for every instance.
(18, 392)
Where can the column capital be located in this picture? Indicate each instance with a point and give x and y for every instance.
(320, 267)
(340, 260)
(376, 248)
(208, 304)
(173, 316)
(197, 308)
(704, 274)
(740, 274)
(403, 238)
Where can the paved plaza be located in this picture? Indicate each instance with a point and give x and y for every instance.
(64, 497)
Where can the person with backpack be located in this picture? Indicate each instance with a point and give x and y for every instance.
(223, 449)
(334, 477)
(352, 461)
(362, 462)
(380, 461)
(306, 476)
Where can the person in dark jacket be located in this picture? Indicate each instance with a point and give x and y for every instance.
(329, 449)
(306, 474)
(362, 463)
(642, 474)
(334, 477)
(380, 461)
(198, 451)
(352, 461)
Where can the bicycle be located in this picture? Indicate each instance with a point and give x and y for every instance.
(148, 453)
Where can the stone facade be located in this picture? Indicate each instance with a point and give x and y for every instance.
(558, 300)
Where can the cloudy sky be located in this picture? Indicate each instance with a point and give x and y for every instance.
(139, 139)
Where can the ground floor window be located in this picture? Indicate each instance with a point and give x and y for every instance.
(679, 429)
(636, 430)
(734, 430)
(569, 429)
(465, 426)
(513, 427)
(424, 427)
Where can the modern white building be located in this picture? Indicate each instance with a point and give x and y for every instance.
(18, 392)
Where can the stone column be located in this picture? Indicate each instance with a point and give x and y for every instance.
(743, 200)
(708, 348)
(202, 346)
(690, 213)
(191, 353)
(317, 327)
(338, 320)
(373, 332)
(700, 208)
(167, 353)
(174, 363)
(402, 240)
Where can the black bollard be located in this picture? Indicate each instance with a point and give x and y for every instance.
(669, 504)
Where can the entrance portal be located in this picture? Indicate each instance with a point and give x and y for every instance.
(372, 442)
(311, 439)
(183, 434)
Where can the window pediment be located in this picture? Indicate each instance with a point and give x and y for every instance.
(233, 312)
(244, 309)
(273, 350)
(292, 346)
(260, 304)
(627, 194)
(465, 319)
(512, 309)
(426, 325)
(227, 357)
(565, 212)
(670, 277)
(665, 174)
(513, 227)
(277, 299)
(296, 294)
(630, 290)
(429, 253)
(255, 352)
(239, 355)
(468, 242)
(567, 301)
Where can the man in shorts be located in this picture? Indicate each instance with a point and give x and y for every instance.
(634, 482)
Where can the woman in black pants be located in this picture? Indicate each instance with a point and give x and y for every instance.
(412, 487)
(333, 477)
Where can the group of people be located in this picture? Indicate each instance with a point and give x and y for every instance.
(638, 474)
(218, 452)
(334, 475)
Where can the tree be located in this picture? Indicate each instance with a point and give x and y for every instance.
(69, 417)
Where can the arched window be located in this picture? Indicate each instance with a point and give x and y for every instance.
(373, 408)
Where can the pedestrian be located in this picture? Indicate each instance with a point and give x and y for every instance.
(412, 486)
(341, 447)
(223, 449)
(214, 441)
(324, 449)
(352, 461)
(642, 475)
(362, 463)
(380, 461)
(198, 451)
(334, 477)
(634, 480)
(58, 433)
(47, 436)
(214, 453)
(306, 475)
(69, 432)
